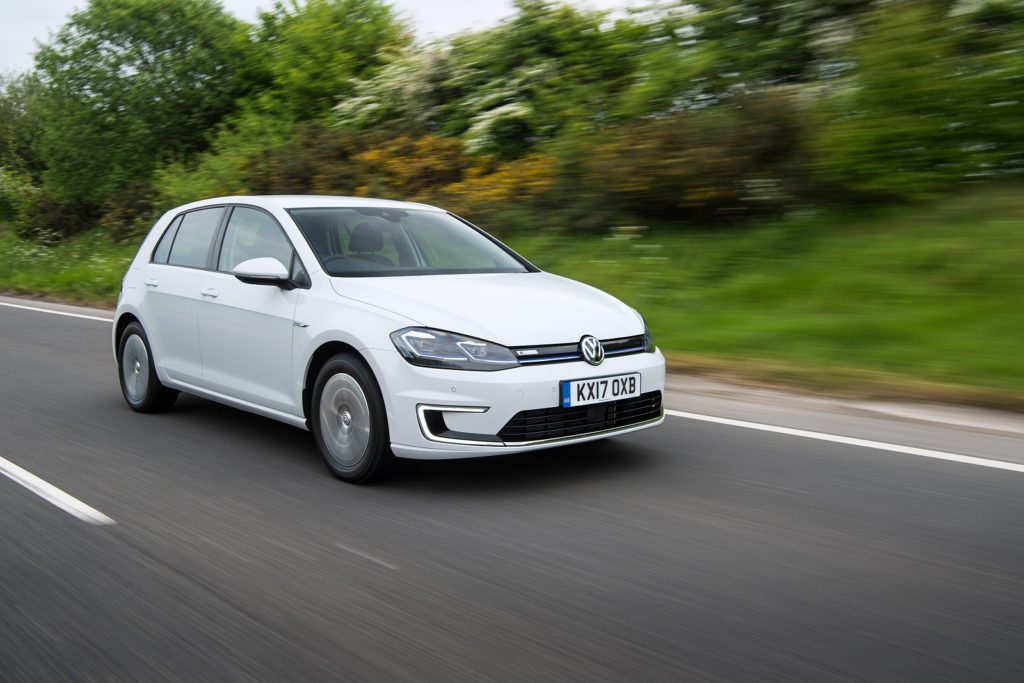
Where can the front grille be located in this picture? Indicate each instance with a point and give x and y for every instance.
(552, 423)
(566, 353)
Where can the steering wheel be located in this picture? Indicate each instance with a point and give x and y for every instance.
(337, 257)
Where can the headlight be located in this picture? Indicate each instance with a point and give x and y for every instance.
(649, 346)
(437, 349)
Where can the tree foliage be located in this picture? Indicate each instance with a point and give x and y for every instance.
(767, 42)
(316, 50)
(936, 97)
(404, 96)
(691, 111)
(507, 88)
(20, 124)
(129, 82)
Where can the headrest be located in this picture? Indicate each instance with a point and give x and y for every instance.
(367, 237)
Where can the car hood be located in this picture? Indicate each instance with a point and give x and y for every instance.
(514, 309)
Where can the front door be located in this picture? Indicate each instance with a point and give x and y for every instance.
(245, 330)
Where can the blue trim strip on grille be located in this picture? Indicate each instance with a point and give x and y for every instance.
(548, 359)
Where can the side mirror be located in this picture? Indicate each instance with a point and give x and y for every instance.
(263, 271)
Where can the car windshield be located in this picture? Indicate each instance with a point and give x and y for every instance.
(374, 242)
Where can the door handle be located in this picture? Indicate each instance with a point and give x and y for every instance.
(152, 282)
(210, 292)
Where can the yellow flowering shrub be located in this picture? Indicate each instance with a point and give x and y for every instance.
(490, 184)
(410, 168)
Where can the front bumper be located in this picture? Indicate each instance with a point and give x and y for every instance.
(444, 414)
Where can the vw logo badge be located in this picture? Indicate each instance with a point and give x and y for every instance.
(592, 350)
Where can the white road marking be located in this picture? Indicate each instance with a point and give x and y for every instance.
(52, 494)
(363, 555)
(866, 443)
(50, 310)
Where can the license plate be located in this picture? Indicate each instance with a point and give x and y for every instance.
(582, 392)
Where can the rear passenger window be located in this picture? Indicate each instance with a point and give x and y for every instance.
(163, 247)
(251, 234)
(195, 234)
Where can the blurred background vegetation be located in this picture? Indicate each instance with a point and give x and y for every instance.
(822, 190)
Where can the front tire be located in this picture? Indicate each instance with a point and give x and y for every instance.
(349, 421)
(140, 386)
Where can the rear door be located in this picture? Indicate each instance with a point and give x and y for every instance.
(245, 330)
(172, 282)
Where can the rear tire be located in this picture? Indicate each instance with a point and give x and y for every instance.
(349, 421)
(140, 386)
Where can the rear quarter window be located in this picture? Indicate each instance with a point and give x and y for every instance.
(163, 247)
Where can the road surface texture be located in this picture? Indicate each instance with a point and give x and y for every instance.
(694, 551)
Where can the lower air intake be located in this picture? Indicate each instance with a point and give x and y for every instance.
(552, 423)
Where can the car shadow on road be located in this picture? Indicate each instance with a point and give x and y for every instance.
(231, 431)
(553, 467)
(561, 466)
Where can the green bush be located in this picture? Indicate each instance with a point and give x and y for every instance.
(315, 160)
(225, 167)
(48, 219)
(740, 158)
(15, 189)
(130, 214)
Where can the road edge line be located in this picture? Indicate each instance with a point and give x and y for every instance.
(50, 310)
(853, 441)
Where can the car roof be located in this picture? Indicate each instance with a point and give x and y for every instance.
(310, 201)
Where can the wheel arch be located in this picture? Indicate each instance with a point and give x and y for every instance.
(123, 321)
(323, 353)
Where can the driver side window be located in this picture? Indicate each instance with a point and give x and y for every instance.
(253, 234)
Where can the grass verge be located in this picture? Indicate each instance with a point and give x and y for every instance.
(85, 270)
(924, 302)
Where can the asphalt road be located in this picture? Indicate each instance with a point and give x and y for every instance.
(695, 551)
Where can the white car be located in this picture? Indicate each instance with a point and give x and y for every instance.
(385, 328)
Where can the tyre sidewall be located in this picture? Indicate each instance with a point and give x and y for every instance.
(378, 451)
(148, 401)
